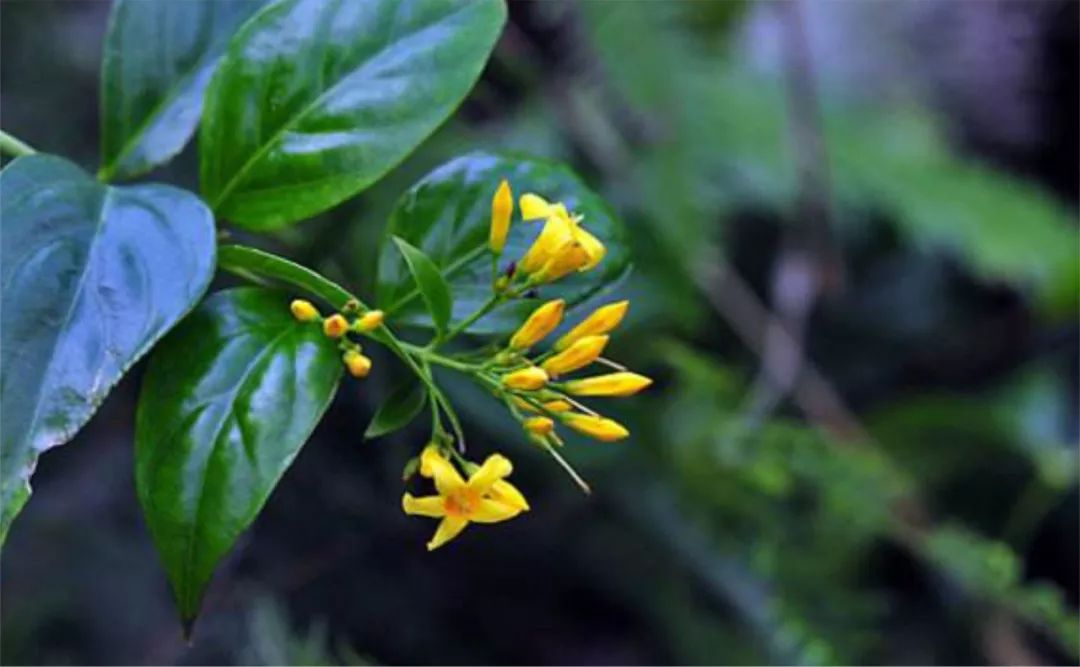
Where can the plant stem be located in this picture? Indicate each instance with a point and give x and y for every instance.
(490, 305)
(13, 146)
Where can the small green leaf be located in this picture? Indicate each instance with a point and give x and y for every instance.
(92, 277)
(158, 60)
(401, 407)
(227, 402)
(432, 286)
(316, 99)
(448, 214)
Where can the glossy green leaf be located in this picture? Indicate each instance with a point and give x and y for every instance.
(401, 407)
(448, 215)
(92, 277)
(158, 60)
(261, 267)
(317, 99)
(227, 402)
(433, 288)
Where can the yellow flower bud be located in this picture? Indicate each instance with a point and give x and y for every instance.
(526, 379)
(369, 321)
(557, 233)
(539, 425)
(502, 208)
(358, 365)
(550, 406)
(335, 326)
(579, 355)
(303, 310)
(541, 322)
(601, 321)
(601, 428)
(612, 384)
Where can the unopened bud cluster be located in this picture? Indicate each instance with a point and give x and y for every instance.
(338, 326)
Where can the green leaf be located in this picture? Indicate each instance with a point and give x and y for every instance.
(158, 60)
(260, 266)
(432, 286)
(227, 402)
(317, 99)
(401, 407)
(92, 277)
(448, 215)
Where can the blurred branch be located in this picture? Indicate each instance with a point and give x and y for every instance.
(807, 263)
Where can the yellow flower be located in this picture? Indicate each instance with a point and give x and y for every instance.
(601, 428)
(572, 257)
(592, 246)
(540, 323)
(358, 365)
(612, 384)
(485, 498)
(539, 425)
(579, 355)
(369, 321)
(335, 326)
(601, 321)
(502, 208)
(558, 232)
(526, 379)
(303, 310)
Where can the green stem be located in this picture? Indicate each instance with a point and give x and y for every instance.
(464, 324)
(13, 146)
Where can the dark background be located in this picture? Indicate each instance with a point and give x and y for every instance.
(897, 181)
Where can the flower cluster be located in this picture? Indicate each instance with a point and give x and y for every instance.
(539, 388)
(536, 385)
(338, 326)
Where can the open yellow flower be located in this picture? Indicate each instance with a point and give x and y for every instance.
(562, 247)
(557, 234)
(486, 497)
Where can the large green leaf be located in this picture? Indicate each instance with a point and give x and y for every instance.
(448, 216)
(317, 99)
(158, 60)
(227, 402)
(92, 277)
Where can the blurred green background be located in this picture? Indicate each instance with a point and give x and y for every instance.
(892, 184)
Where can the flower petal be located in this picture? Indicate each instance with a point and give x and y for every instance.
(448, 529)
(495, 468)
(534, 207)
(492, 511)
(508, 494)
(433, 506)
(435, 465)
